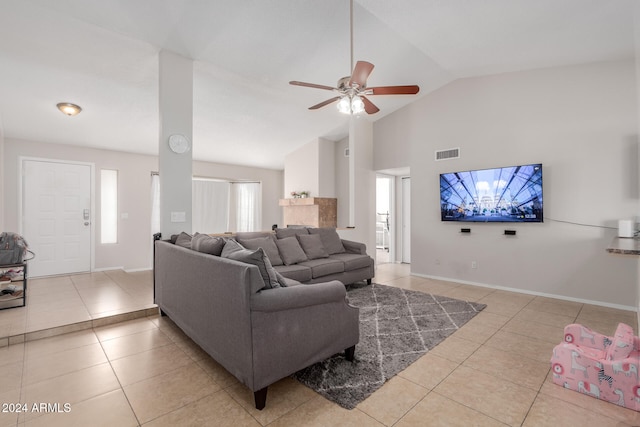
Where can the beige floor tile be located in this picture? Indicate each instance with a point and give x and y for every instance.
(192, 349)
(107, 410)
(555, 306)
(436, 410)
(60, 343)
(217, 409)
(150, 363)
(607, 409)
(429, 370)
(71, 388)
(476, 332)
(125, 328)
(11, 354)
(282, 397)
(159, 395)
(45, 366)
(509, 366)
(550, 319)
(217, 372)
(394, 399)
(455, 349)
(11, 374)
(319, 412)
(10, 416)
(43, 302)
(531, 348)
(493, 396)
(127, 345)
(537, 330)
(547, 411)
(469, 293)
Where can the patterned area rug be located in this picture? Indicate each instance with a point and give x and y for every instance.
(397, 326)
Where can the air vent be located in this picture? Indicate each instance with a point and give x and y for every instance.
(451, 153)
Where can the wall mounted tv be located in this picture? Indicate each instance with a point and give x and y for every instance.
(510, 194)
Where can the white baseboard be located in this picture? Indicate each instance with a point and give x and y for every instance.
(134, 270)
(528, 292)
(97, 270)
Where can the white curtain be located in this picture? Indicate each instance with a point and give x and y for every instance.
(210, 204)
(245, 211)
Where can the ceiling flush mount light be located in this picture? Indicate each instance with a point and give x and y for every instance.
(69, 109)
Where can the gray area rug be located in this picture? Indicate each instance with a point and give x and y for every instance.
(397, 326)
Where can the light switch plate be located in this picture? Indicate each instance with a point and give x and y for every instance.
(178, 217)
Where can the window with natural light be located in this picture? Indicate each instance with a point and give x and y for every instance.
(108, 206)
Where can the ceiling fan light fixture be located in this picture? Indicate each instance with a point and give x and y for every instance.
(68, 108)
(357, 105)
(344, 105)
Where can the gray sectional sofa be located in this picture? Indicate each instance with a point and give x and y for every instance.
(259, 325)
(312, 255)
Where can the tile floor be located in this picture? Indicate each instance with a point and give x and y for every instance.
(494, 371)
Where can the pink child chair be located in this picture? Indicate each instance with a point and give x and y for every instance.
(600, 366)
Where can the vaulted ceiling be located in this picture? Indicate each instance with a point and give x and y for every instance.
(103, 55)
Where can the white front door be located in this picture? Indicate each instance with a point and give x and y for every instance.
(56, 200)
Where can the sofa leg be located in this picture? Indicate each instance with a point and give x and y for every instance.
(162, 313)
(260, 398)
(349, 353)
(368, 281)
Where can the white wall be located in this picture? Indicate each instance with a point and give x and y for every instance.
(133, 250)
(2, 181)
(311, 168)
(581, 123)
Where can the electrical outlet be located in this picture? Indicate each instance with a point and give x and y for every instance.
(474, 264)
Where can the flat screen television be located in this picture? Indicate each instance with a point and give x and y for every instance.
(510, 194)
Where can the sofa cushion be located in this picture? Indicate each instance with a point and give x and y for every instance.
(290, 251)
(184, 240)
(298, 272)
(234, 250)
(283, 233)
(207, 244)
(324, 267)
(268, 243)
(312, 246)
(353, 261)
(330, 239)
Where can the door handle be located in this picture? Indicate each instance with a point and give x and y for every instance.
(86, 223)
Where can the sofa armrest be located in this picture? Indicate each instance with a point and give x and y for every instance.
(300, 296)
(354, 247)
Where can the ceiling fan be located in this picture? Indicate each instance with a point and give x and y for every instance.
(353, 91)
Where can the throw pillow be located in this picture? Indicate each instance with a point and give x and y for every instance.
(233, 250)
(290, 251)
(283, 233)
(207, 244)
(267, 243)
(330, 239)
(184, 240)
(281, 279)
(312, 246)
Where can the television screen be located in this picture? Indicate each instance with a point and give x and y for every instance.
(511, 194)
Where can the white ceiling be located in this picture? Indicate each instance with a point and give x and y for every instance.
(103, 55)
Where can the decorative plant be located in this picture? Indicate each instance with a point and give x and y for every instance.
(304, 194)
(294, 194)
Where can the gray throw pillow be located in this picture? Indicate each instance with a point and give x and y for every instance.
(312, 246)
(207, 244)
(268, 243)
(184, 240)
(330, 239)
(281, 279)
(283, 233)
(233, 250)
(290, 251)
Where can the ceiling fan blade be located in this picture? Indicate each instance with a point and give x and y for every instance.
(393, 90)
(322, 104)
(313, 85)
(369, 107)
(360, 73)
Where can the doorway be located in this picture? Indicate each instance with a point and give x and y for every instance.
(56, 220)
(384, 218)
(406, 220)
